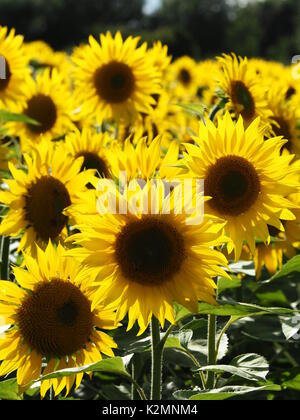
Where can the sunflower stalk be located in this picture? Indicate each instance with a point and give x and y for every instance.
(157, 352)
(220, 105)
(212, 353)
(135, 374)
(5, 244)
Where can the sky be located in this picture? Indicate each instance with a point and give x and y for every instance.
(152, 5)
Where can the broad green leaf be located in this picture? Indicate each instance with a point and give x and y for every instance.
(185, 337)
(225, 284)
(292, 266)
(113, 366)
(291, 327)
(200, 347)
(9, 390)
(197, 110)
(264, 329)
(241, 310)
(7, 116)
(222, 393)
(194, 325)
(231, 308)
(243, 267)
(291, 379)
(276, 297)
(248, 366)
(181, 312)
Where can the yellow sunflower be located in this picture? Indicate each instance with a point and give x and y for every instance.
(152, 256)
(37, 198)
(246, 177)
(160, 121)
(285, 118)
(245, 92)
(159, 53)
(144, 161)
(115, 79)
(11, 51)
(183, 77)
(41, 55)
(93, 147)
(48, 101)
(5, 155)
(287, 243)
(52, 324)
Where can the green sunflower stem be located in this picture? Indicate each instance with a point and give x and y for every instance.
(212, 350)
(5, 258)
(220, 105)
(135, 373)
(157, 352)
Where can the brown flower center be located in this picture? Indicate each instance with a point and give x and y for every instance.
(150, 251)
(93, 161)
(290, 92)
(240, 95)
(45, 201)
(5, 81)
(42, 109)
(282, 128)
(233, 184)
(184, 77)
(114, 82)
(56, 319)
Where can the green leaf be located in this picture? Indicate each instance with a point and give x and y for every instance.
(265, 329)
(292, 266)
(241, 310)
(7, 116)
(194, 325)
(276, 297)
(252, 367)
(224, 284)
(200, 347)
(231, 308)
(113, 366)
(197, 110)
(290, 327)
(291, 379)
(9, 390)
(243, 267)
(222, 393)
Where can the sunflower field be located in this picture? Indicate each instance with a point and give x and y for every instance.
(150, 224)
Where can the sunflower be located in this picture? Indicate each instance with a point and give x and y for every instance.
(93, 147)
(37, 198)
(5, 155)
(11, 51)
(159, 53)
(48, 102)
(40, 55)
(152, 256)
(286, 243)
(285, 118)
(244, 91)
(246, 177)
(52, 323)
(160, 121)
(115, 79)
(144, 161)
(183, 77)
(207, 71)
